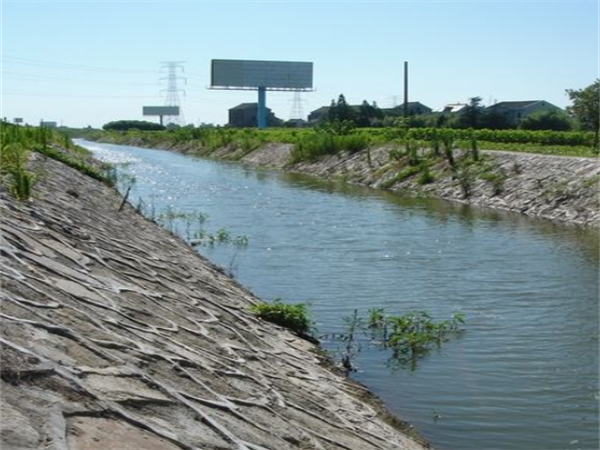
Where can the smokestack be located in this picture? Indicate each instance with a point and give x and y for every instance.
(405, 89)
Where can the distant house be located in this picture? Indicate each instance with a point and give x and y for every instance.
(296, 123)
(244, 116)
(452, 108)
(413, 109)
(318, 114)
(515, 111)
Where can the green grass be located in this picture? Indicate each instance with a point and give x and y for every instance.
(314, 143)
(14, 155)
(401, 175)
(312, 146)
(19, 141)
(78, 163)
(556, 150)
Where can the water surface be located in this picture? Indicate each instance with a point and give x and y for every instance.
(523, 375)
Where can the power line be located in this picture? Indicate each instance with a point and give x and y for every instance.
(58, 95)
(39, 78)
(67, 66)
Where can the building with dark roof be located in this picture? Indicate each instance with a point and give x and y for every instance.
(244, 116)
(514, 111)
(412, 109)
(452, 108)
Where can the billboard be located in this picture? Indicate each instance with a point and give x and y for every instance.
(161, 110)
(271, 75)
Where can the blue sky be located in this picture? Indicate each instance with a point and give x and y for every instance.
(89, 62)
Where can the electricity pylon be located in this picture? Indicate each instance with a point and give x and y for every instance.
(172, 90)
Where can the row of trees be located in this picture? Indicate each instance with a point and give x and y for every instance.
(582, 114)
(125, 125)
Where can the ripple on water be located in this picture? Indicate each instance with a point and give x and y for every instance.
(524, 374)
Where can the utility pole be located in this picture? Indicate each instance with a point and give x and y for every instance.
(405, 89)
(172, 90)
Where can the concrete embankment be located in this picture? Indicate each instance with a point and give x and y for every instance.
(559, 188)
(550, 187)
(116, 335)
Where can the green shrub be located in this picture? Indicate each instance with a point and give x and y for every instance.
(410, 335)
(313, 146)
(14, 154)
(13, 158)
(425, 177)
(497, 181)
(353, 142)
(295, 317)
(22, 184)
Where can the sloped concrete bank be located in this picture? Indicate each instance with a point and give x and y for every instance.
(551, 187)
(558, 188)
(116, 335)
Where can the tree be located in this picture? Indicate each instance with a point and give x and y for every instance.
(470, 116)
(340, 110)
(547, 120)
(586, 107)
(367, 113)
(494, 120)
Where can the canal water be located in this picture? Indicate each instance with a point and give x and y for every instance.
(524, 373)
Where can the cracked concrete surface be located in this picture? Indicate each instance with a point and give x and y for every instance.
(116, 335)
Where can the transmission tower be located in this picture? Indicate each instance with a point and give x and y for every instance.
(297, 112)
(172, 90)
(395, 100)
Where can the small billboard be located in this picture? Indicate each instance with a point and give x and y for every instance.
(270, 75)
(18, 120)
(161, 110)
(48, 124)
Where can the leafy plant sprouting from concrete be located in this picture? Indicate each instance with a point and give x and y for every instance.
(448, 144)
(497, 180)
(466, 179)
(16, 143)
(13, 158)
(295, 317)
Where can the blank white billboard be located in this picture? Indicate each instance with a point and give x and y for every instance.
(161, 110)
(233, 73)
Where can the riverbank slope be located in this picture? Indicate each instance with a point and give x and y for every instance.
(558, 188)
(116, 335)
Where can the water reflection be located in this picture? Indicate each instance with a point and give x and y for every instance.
(525, 373)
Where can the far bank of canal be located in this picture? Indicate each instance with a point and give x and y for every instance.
(524, 375)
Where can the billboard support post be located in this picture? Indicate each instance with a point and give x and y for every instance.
(261, 76)
(261, 113)
(160, 111)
